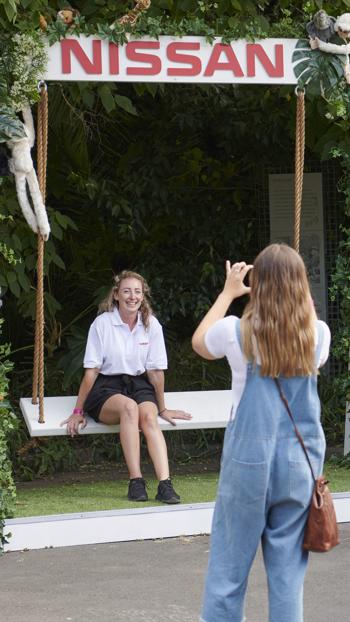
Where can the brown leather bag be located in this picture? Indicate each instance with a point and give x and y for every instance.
(321, 531)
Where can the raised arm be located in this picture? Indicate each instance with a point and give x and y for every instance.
(233, 288)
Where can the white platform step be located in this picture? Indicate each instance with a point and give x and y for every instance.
(123, 525)
(110, 526)
(209, 409)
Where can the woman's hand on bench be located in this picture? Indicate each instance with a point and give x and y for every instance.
(170, 415)
(74, 422)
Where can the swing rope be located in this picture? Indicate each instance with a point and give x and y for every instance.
(299, 163)
(38, 371)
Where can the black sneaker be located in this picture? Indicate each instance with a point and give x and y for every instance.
(137, 489)
(166, 492)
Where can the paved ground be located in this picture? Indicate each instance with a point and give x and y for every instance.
(150, 581)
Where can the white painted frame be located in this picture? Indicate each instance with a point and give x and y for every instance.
(39, 532)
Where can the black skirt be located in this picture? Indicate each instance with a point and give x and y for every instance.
(137, 388)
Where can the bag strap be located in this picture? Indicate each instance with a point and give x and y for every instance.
(300, 438)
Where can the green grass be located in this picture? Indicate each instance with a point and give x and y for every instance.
(339, 477)
(107, 495)
(111, 495)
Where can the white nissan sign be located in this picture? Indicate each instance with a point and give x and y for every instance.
(172, 59)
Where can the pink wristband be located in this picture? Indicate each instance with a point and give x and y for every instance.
(78, 411)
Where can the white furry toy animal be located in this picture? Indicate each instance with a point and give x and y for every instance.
(342, 28)
(21, 165)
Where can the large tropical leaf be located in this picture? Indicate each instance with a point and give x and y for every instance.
(318, 71)
(10, 125)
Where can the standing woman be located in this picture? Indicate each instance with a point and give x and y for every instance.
(265, 485)
(124, 381)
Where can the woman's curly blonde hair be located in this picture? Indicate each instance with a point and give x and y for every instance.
(109, 303)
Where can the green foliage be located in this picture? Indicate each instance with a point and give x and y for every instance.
(9, 7)
(332, 400)
(27, 60)
(341, 281)
(22, 63)
(21, 14)
(8, 422)
(71, 362)
(7, 426)
(230, 19)
(7, 253)
(286, 25)
(111, 100)
(47, 456)
(17, 267)
(34, 458)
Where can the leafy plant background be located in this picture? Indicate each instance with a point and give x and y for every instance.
(157, 178)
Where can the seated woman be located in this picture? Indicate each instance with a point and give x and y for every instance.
(124, 381)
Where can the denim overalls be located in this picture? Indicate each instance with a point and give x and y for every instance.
(264, 491)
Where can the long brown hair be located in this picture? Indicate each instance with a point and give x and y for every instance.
(109, 303)
(279, 319)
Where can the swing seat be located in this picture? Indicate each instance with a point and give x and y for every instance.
(209, 409)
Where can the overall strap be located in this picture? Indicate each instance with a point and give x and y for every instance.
(239, 339)
(300, 438)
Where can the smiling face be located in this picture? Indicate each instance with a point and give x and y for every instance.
(129, 297)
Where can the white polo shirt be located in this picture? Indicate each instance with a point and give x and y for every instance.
(115, 349)
(221, 340)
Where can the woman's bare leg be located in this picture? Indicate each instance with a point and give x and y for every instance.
(155, 440)
(123, 410)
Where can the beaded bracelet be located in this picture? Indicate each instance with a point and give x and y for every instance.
(78, 411)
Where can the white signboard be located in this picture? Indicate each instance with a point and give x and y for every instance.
(281, 199)
(172, 59)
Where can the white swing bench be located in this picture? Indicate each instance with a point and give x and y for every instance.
(209, 409)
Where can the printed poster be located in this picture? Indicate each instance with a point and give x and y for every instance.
(281, 201)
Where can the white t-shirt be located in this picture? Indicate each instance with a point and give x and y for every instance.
(115, 349)
(221, 340)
